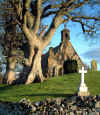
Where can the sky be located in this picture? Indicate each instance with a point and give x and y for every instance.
(87, 48)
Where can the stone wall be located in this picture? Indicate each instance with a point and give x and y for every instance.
(72, 105)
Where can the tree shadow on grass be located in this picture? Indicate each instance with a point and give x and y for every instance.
(6, 87)
(49, 95)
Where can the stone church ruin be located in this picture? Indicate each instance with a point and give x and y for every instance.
(62, 59)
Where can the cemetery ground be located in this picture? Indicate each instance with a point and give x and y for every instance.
(54, 87)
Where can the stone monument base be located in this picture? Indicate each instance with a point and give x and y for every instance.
(83, 90)
(83, 93)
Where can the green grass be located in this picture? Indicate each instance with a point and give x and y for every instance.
(61, 86)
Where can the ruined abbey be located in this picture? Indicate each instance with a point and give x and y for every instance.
(61, 59)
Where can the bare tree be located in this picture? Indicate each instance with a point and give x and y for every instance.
(10, 38)
(30, 14)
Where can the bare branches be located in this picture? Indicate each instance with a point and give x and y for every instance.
(86, 17)
(53, 9)
(52, 29)
(70, 2)
(63, 8)
(43, 31)
(26, 30)
(37, 21)
(84, 21)
(61, 11)
(46, 12)
(18, 8)
(67, 10)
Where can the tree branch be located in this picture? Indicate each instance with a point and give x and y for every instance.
(70, 2)
(83, 25)
(25, 29)
(52, 29)
(59, 6)
(48, 14)
(37, 21)
(66, 10)
(43, 31)
(86, 17)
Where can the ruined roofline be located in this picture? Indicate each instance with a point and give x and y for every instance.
(77, 55)
(63, 36)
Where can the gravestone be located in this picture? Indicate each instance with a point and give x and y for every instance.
(94, 65)
(83, 89)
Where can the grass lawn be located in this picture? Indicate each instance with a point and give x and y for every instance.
(61, 86)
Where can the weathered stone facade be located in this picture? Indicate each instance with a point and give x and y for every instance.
(55, 59)
(54, 66)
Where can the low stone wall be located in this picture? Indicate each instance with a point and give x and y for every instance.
(74, 105)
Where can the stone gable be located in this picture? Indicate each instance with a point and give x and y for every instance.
(55, 59)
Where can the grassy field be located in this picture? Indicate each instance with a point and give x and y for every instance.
(61, 86)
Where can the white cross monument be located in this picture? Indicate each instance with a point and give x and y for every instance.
(83, 89)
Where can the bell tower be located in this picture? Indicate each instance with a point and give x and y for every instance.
(65, 34)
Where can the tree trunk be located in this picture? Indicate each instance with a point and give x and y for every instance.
(10, 71)
(36, 69)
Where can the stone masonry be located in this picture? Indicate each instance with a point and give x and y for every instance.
(71, 105)
(54, 60)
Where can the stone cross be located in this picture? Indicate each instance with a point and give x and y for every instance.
(82, 74)
(83, 89)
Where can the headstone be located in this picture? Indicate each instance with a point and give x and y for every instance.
(83, 89)
(94, 65)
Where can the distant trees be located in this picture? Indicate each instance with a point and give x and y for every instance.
(27, 16)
